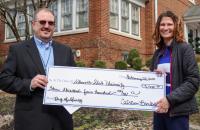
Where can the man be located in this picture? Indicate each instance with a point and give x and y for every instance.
(24, 73)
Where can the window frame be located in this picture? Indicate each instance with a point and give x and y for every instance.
(74, 30)
(59, 31)
(115, 14)
(192, 1)
(119, 30)
(8, 30)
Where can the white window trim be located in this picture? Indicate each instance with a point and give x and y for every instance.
(192, 1)
(74, 29)
(59, 32)
(77, 31)
(74, 15)
(119, 31)
(139, 31)
(125, 34)
(138, 2)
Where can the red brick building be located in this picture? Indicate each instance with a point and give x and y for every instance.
(108, 29)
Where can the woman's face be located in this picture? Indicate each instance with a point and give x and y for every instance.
(166, 29)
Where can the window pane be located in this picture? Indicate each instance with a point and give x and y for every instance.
(21, 24)
(114, 16)
(125, 16)
(135, 19)
(9, 33)
(82, 13)
(66, 15)
(54, 7)
(30, 16)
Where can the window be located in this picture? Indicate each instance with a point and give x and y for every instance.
(135, 19)
(114, 14)
(20, 22)
(9, 33)
(82, 13)
(71, 16)
(30, 13)
(66, 15)
(74, 15)
(125, 18)
(53, 8)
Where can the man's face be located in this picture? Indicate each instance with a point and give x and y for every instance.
(44, 26)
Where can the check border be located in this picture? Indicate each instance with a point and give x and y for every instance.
(45, 100)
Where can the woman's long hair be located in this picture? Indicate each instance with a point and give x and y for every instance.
(178, 29)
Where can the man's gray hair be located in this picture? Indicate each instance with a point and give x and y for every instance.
(42, 9)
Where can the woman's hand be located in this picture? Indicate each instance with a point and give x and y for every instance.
(162, 105)
(159, 72)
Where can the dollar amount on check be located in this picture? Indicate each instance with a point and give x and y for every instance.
(104, 88)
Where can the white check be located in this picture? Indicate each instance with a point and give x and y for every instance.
(103, 88)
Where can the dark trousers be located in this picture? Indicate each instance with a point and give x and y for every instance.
(164, 122)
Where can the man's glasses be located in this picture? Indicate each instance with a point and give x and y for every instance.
(43, 22)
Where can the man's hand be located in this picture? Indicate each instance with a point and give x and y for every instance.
(163, 105)
(39, 81)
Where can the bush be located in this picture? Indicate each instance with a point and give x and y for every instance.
(198, 98)
(197, 58)
(99, 64)
(137, 63)
(197, 50)
(80, 64)
(134, 60)
(1, 60)
(198, 93)
(121, 65)
(132, 54)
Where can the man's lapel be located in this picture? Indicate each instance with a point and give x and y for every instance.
(56, 53)
(34, 54)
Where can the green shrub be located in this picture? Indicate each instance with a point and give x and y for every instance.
(134, 60)
(137, 63)
(198, 98)
(99, 64)
(80, 64)
(1, 60)
(132, 54)
(121, 65)
(198, 93)
(197, 58)
(197, 50)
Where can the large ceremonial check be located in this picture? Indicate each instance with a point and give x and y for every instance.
(103, 88)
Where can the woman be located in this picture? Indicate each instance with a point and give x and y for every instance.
(175, 58)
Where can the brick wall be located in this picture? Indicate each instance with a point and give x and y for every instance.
(149, 28)
(4, 49)
(177, 6)
(100, 44)
(198, 2)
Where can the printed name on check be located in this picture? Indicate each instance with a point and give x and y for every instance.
(104, 88)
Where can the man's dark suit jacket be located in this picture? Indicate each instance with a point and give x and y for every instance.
(22, 64)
